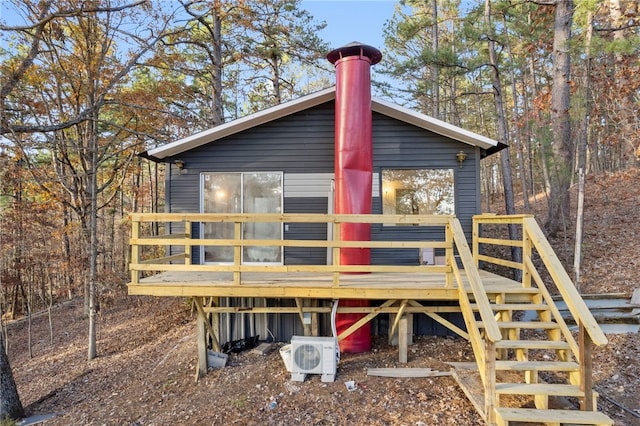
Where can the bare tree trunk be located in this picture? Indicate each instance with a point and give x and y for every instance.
(562, 170)
(543, 149)
(49, 306)
(29, 319)
(435, 67)
(518, 136)
(93, 238)
(68, 275)
(10, 405)
(582, 152)
(503, 135)
(216, 71)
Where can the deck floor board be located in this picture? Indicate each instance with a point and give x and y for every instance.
(375, 285)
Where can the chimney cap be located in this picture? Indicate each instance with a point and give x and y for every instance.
(355, 48)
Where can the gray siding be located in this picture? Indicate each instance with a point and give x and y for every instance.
(305, 231)
(304, 143)
(397, 145)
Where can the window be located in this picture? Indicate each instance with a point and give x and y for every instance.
(418, 191)
(255, 192)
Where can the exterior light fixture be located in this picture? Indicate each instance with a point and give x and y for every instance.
(180, 165)
(461, 156)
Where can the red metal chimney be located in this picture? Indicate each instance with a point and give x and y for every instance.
(353, 167)
(353, 135)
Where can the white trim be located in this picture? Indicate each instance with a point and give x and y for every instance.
(307, 185)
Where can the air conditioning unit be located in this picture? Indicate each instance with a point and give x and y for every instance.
(313, 355)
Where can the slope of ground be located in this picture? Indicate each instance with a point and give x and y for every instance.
(144, 373)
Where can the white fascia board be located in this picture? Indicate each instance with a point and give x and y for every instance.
(243, 123)
(429, 123)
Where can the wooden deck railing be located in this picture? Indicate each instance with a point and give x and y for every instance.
(534, 241)
(183, 243)
(454, 242)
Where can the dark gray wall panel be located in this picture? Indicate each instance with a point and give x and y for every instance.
(305, 231)
(304, 143)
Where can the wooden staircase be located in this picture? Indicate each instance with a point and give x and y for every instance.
(533, 352)
(530, 368)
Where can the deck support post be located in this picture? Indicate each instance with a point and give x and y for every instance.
(315, 323)
(201, 337)
(213, 318)
(204, 330)
(304, 320)
(402, 339)
(393, 334)
(586, 369)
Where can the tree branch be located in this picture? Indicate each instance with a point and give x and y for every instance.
(43, 20)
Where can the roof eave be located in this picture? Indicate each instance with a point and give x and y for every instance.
(495, 149)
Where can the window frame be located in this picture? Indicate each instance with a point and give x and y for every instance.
(385, 190)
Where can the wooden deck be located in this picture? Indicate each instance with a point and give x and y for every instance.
(501, 342)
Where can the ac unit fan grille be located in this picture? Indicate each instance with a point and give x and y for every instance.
(307, 357)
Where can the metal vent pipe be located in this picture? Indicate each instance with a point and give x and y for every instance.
(353, 142)
(353, 168)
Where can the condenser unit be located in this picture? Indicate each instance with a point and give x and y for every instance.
(313, 355)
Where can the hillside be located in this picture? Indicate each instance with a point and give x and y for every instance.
(144, 374)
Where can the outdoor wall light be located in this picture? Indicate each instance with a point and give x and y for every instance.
(461, 156)
(180, 165)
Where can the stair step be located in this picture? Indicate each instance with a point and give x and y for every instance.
(525, 324)
(538, 389)
(531, 415)
(537, 366)
(515, 306)
(531, 344)
(489, 289)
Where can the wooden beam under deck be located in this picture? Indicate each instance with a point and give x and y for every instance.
(374, 286)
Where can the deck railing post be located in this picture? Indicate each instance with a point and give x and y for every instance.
(586, 369)
(526, 254)
(475, 244)
(337, 237)
(135, 251)
(449, 255)
(187, 246)
(237, 252)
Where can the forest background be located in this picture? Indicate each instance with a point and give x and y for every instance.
(85, 86)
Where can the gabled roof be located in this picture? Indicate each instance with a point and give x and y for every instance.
(378, 105)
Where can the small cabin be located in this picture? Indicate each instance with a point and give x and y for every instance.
(281, 160)
(345, 206)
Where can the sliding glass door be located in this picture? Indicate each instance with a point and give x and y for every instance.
(254, 192)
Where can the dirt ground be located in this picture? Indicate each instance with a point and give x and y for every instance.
(144, 372)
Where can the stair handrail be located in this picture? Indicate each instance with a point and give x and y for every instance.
(492, 331)
(484, 350)
(563, 282)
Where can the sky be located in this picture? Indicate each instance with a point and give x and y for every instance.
(347, 20)
(351, 20)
